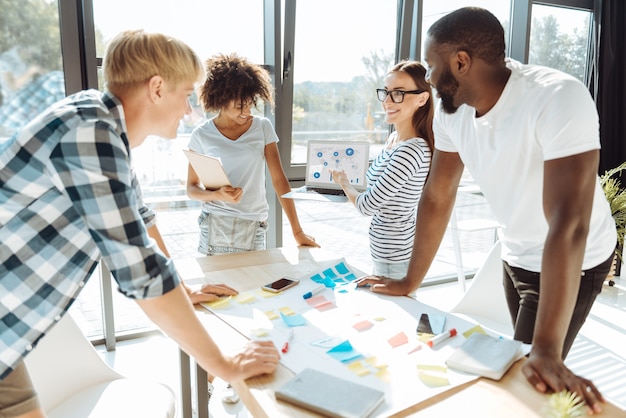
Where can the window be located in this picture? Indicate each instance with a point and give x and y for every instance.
(209, 27)
(31, 76)
(559, 38)
(340, 58)
(436, 9)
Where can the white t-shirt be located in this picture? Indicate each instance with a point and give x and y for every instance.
(244, 162)
(542, 114)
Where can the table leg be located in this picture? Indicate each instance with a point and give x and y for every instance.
(185, 384)
(202, 388)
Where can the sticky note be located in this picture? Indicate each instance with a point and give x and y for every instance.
(294, 320)
(329, 273)
(433, 375)
(218, 304)
(341, 268)
(363, 326)
(286, 310)
(244, 298)
(358, 368)
(473, 330)
(398, 339)
(344, 352)
(271, 315)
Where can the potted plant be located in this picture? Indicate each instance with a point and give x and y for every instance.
(616, 195)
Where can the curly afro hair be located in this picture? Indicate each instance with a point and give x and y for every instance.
(233, 78)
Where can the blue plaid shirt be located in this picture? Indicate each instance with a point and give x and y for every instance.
(69, 197)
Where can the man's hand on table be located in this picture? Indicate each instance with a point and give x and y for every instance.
(256, 358)
(548, 374)
(210, 293)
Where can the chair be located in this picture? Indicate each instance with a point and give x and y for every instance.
(484, 302)
(73, 381)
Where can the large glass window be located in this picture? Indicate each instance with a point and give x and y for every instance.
(559, 38)
(436, 9)
(31, 76)
(342, 52)
(209, 27)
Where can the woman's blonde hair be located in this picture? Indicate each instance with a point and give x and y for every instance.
(133, 57)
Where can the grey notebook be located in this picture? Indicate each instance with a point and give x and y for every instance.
(484, 355)
(329, 395)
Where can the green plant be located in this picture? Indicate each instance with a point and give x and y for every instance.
(616, 195)
(564, 405)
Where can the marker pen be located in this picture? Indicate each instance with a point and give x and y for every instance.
(309, 295)
(286, 345)
(441, 337)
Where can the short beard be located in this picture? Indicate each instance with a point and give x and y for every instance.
(451, 86)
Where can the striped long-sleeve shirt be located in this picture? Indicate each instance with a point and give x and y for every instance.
(395, 181)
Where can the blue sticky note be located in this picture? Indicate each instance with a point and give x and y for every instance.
(341, 268)
(330, 273)
(317, 279)
(350, 277)
(344, 352)
(293, 320)
(329, 283)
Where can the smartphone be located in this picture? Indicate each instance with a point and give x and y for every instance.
(280, 285)
(424, 325)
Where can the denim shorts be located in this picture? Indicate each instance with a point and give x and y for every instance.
(220, 234)
(391, 270)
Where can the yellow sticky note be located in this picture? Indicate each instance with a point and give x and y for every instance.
(358, 368)
(424, 337)
(383, 374)
(432, 368)
(266, 294)
(245, 298)
(372, 361)
(271, 315)
(473, 330)
(433, 381)
(260, 332)
(218, 304)
(287, 310)
(433, 375)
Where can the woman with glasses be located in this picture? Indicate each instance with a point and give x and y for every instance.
(397, 176)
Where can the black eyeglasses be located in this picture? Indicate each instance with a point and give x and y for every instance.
(397, 96)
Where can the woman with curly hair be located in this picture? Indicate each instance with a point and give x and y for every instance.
(234, 218)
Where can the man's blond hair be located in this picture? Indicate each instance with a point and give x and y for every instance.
(133, 57)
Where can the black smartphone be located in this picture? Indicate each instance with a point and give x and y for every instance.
(423, 326)
(280, 285)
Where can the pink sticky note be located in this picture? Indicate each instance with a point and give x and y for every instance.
(320, 303)
(363, 325)
(398, 340)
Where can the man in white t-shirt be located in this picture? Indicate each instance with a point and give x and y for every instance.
(529, 136)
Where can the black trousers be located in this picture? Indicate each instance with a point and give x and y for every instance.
(521, 288)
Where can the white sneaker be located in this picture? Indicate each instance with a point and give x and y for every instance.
(229, 395)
